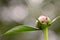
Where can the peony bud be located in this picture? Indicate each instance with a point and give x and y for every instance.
(43, 22)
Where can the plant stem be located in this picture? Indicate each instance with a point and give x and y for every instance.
(45, 33)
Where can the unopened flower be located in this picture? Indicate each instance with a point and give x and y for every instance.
(43, 22)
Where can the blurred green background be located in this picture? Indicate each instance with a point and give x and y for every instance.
(24, 12)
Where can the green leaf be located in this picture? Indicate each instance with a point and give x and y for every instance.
(21, 28)
(55, 19)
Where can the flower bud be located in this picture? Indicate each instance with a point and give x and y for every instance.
(43, 22)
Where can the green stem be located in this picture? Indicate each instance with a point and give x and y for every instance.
(45, 32)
